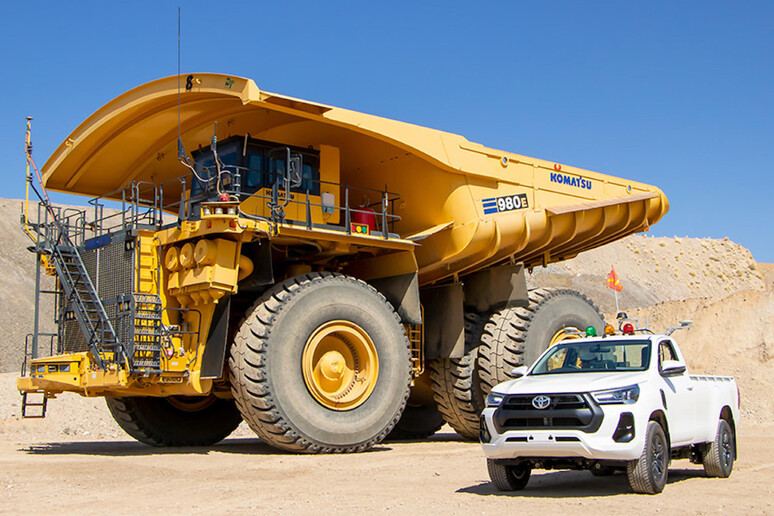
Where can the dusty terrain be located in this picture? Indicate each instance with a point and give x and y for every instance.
(78, 460)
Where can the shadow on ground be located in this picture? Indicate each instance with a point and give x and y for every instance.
(242, 446)
(438, 437)
(575, 484)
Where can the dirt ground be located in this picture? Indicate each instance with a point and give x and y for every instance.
(77, 459)
(440, 476)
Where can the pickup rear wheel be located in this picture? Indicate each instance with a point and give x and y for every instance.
(648, 474)
(508, 478)
(719, 457)
(516, 336)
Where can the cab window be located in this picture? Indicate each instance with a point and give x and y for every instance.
(666, 351)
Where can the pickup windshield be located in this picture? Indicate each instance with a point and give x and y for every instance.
(589, 357)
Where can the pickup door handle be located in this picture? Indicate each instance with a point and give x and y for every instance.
(690, 388)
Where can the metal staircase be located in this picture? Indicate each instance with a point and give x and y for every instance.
(88, 309)
(146, 354)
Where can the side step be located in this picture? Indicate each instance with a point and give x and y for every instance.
(38, 407)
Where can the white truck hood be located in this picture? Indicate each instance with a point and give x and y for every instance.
(569, 382)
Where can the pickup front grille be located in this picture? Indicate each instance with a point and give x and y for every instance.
(564, 411)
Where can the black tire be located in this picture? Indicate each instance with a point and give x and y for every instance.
(267, 376)
(648, 474)
(417, 422)
(508, 478)
(718, 458)
(177, 420)
(517, 336)
(457, 386)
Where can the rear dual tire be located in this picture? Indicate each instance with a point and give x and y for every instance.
(497, 342)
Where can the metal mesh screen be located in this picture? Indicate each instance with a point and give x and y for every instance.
(111, 269)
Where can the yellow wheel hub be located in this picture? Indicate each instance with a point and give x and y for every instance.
(564, 334)
(340, 365)
(569, 333)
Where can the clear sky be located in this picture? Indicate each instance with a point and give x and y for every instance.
(674, 94)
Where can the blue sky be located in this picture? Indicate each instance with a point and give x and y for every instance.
(675, 94)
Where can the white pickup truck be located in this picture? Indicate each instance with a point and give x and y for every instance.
(619, 402)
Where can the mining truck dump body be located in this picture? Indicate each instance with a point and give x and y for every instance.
(468, 206)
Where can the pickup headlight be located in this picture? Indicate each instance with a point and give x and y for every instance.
(623, 395)
(494, 399)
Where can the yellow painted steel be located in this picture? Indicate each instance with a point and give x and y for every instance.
(443, 179)
(569, 333)
(340, 365)
(462, 207)
(85, 377)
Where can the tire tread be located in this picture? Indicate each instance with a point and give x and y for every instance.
(247, 359)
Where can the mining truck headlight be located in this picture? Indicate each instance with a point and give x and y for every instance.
(627, 395)
(494, 399)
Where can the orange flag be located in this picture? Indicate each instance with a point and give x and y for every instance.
(613, 281)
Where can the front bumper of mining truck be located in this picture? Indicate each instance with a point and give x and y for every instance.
(78, 372)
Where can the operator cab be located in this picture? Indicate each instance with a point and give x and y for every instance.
(249, 165)
(266, 179)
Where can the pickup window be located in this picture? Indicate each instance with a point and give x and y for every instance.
(666, 351)
(586, 357)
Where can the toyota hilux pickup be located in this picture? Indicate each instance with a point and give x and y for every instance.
(617, 402)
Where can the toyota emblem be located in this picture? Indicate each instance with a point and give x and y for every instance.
(541, 402)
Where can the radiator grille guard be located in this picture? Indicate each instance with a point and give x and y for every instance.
(111, 269)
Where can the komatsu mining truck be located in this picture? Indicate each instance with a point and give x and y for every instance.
(330, 277)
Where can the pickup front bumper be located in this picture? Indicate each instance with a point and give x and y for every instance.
(582, 429)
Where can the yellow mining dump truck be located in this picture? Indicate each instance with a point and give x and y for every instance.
(328, 276)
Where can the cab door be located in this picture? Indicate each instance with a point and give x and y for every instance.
(678, 395)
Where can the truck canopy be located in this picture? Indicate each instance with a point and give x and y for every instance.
(471, 206)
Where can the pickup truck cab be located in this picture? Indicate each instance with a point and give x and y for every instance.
(618, 402)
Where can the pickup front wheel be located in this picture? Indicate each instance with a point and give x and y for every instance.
(719, 457)
(508, 478)
(648, 474)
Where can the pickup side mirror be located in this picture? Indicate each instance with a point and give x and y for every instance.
(518, 372)
(672, 368)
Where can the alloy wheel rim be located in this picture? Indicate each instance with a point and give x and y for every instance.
(658, 458)
(726, 446)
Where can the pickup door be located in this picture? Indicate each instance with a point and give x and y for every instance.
(677, 393)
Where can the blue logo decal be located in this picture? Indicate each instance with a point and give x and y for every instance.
(507, 203)
(490, 205)
(564, 179)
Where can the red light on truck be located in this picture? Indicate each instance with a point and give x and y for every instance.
(628, 329)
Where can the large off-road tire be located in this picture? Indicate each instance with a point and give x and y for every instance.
(517, 336)
(718, 458)
(456, 383)
(648, 474)
(508, 478)
(417, 422)
(421, 418)
(176, 420)
(321, 363)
